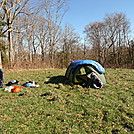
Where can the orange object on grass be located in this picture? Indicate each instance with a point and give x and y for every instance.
(16, 89)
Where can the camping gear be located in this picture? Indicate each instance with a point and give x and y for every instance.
(1, 78)
(12, 82)
(16, 89)
(87, 73)
(8, 89)
(31, 84)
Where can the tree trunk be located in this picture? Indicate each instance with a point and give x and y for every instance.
(42, 53)
(10, 49)
(0, 61)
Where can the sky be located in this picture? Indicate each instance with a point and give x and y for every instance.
(83, 12)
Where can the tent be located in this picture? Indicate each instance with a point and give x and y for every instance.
(87, 73)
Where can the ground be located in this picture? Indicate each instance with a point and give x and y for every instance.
(55, 107)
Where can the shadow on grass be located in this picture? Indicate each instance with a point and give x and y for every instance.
(54, 80)
(57, 80)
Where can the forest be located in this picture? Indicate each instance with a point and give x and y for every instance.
(32, 36)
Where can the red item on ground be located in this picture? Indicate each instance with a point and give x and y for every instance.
(16, 89)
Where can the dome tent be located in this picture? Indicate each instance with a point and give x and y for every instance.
(87, 73)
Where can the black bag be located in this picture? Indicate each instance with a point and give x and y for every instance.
(12, 82)
(1, 78)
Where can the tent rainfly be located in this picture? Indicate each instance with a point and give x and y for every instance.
(87, 73)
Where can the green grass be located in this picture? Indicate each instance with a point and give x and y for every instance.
(54, 108)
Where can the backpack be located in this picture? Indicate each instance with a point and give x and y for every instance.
(1, 78)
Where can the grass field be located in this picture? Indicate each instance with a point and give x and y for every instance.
(55, 108)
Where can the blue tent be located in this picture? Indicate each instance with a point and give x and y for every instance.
(86, 72)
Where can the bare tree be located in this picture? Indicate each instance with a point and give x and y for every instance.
(118, 28)
(54, 12)
(108, 38)
(70, 48)
(10, 9)
(41, 35)
(94, 32)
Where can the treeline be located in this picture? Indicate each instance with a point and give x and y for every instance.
(32, 36)
(111, 41)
